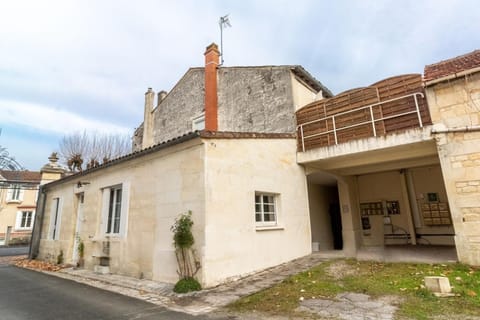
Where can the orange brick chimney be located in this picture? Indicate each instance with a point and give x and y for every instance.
(211, 99)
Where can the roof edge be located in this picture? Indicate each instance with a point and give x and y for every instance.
(451, 76)
(128, 157)
(245, 135)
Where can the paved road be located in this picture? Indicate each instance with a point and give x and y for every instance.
(30, 295)
(13, 251)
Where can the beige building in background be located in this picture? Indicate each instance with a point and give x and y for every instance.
(274, 167)
(18, 201)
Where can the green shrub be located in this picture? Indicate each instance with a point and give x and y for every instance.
(182, 231)
(186, 285)
(60, 257)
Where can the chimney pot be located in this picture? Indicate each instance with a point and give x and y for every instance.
(161, 95)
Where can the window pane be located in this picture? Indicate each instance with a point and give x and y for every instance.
(16, 193)
(24, 219)
(265, 208)
(118, 208)
(110, 211)
(29, 219)
(269, 217)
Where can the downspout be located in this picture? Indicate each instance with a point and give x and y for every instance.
(38, 223)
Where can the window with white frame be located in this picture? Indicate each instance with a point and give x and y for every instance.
(265, 209)
(55, 219)
(198, 123)
(15, 193)
(115, 209)
(24, 220)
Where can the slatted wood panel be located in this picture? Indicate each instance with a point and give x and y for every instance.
(384, 90)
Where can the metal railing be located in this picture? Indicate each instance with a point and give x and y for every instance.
(372, 119)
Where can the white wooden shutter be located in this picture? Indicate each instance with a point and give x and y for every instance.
(18, 220)
(125, 204)
(33, 219)
(20, 195)
(105, 203)
(9, 194)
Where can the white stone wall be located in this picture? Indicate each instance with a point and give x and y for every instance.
(235, 170)
(160, 186)
(455, 104)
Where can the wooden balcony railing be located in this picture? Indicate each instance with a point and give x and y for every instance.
(385, 107)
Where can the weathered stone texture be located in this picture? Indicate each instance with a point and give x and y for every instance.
(455, 104)
(250, 99)
(256, 100)
(466, 160)
(173, 117)
(468, 186)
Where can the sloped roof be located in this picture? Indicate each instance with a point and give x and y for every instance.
(452, 66)
(21, 176)
(169, 143)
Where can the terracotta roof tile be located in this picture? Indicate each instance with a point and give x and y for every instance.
(24, 176)
(451, 66)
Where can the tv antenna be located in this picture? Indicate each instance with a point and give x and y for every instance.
(224, 22)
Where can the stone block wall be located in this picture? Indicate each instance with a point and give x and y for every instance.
(250, 99)
(256, 99)
(455, 104)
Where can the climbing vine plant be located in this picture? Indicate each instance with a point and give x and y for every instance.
(183, 241)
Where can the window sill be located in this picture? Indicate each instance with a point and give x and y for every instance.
(108, 237)
(269, 228)
(13, 201)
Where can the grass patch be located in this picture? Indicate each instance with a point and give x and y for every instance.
(375, 279)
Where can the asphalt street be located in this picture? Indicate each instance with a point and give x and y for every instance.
(13, 251)
(26, 294)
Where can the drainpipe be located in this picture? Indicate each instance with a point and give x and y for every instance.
(406, 204)
(458, 129)
(412, 195)
(38, 223)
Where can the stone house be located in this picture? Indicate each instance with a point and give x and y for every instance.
(18, 201)
(238, 176)
(273, 166)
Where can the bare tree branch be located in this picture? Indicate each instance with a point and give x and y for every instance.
(82, 150)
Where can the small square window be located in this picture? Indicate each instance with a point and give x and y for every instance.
(198, 123)
(24, 220)
(265, 209)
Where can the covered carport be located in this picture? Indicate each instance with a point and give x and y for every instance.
(384, 196)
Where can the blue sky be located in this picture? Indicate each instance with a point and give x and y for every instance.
(69, 66)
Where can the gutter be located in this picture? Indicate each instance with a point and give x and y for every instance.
(38, 223)
(452, 76)
(458, 129)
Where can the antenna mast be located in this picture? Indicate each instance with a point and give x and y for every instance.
(224, 23)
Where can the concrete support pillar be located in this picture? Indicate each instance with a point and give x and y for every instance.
(351, 228)
(406, 204)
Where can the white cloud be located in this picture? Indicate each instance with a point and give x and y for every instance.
(90, 61)
(49, 119)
